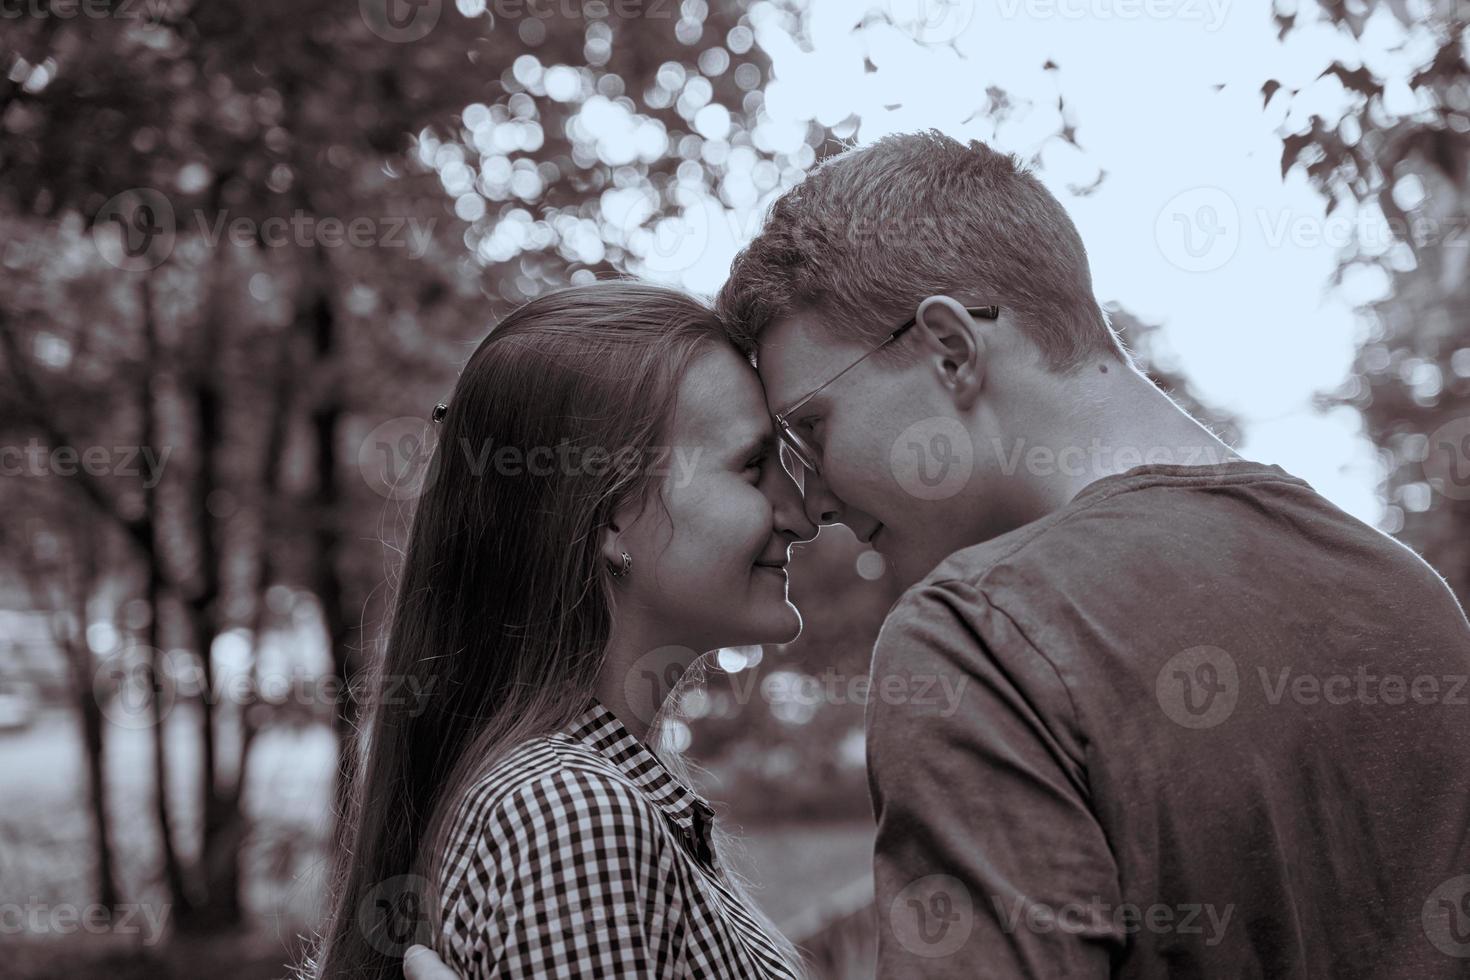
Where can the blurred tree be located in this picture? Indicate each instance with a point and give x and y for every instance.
(62, 564)
(177, 183)
(1399, 154)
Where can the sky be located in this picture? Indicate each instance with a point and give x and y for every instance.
(1192, 226)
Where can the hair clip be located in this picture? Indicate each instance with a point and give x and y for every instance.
(439, 412)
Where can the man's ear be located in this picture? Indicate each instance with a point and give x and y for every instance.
(955, 346)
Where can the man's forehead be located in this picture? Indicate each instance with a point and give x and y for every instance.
(792, 354)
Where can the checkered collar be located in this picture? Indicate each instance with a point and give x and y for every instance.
(600, 730)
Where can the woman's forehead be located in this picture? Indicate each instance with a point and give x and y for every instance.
(721, 404)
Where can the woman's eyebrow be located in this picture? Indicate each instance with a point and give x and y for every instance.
(761, 440)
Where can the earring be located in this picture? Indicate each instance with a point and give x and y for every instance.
(627, 564)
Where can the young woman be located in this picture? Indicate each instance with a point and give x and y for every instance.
(605, 502)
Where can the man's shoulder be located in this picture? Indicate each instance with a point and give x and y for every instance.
(1158, 514)
(1169, 529)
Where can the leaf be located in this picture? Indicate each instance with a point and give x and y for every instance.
(1400, 9)
(1268, 90)
(1359, 79)
(1291, 148)
(1448, 66)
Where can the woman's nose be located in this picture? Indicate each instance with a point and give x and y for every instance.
(790, 514)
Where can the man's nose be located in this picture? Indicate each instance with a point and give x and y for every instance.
(789, 510)
(820, 504)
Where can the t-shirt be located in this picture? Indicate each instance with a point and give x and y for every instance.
(1197, 722)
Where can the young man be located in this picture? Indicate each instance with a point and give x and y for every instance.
(1211, 724)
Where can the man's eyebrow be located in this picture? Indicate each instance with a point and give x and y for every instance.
(807, 401)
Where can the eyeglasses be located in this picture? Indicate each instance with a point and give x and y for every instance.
(803, 450)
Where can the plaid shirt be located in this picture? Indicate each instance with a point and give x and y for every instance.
(580, 855)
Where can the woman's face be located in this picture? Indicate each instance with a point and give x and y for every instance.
(709, 566)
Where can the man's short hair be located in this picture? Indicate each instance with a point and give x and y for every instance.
(872, 231)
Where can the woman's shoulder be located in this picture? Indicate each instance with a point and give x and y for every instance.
(548, 786)
(552, 804)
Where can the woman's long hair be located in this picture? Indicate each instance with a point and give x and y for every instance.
(503, 607)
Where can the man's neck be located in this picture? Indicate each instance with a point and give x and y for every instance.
(1107, 425)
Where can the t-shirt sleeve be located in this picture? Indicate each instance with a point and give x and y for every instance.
(570, 877)
(988, 859)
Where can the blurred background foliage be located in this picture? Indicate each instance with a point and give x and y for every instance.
(173, 177)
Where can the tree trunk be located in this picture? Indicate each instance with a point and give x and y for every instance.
(179, 895)
(89, 710)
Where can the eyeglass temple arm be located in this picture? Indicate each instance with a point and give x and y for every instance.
(985, 312)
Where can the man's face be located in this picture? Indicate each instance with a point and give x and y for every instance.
(895, 454)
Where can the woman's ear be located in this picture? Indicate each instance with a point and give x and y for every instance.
(956, 347)
(611, 544)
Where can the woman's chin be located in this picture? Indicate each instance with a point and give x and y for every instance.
(768, 622)
(783, 623)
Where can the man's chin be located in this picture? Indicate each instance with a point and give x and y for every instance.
(908, 566)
